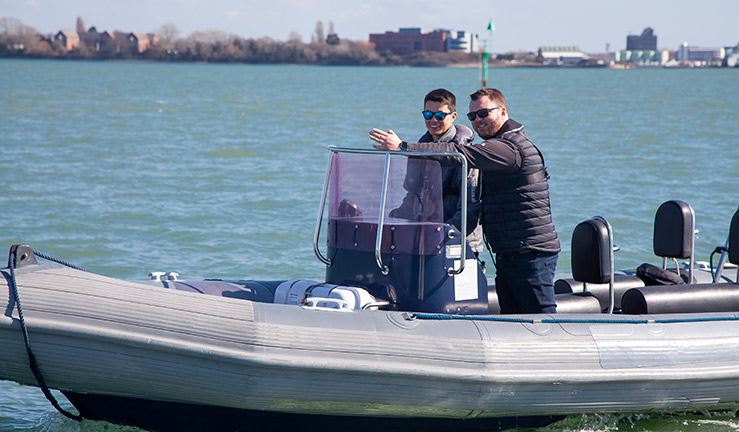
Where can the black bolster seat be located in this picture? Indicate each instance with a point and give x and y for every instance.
(591, 263)
(689, 298)
(674, 234)
(591, 257)
(621, 284)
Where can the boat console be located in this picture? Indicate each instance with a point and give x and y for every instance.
(386, 232)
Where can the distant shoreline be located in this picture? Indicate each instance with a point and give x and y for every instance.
(456, 65)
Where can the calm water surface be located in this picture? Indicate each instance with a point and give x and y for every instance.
(216, 170)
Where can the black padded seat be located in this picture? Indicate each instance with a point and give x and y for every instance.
(591, 254)
(734, 240)
(674, 226)
(579, 302)
(674, 235)
(621, 284)
(688, 298)
(592, 261)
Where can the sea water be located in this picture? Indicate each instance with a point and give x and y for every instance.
(216, 170)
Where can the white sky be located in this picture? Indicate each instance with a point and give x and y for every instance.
(520, 24)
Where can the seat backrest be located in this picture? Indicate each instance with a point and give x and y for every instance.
(674, 230)
(674, 234)
(734, 240)
(592, 252)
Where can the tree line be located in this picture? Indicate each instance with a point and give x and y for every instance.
(325, 48)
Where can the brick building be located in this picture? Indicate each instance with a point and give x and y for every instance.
(409, 40)
(413, 39)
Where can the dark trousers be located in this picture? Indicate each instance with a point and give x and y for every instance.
(525, 282)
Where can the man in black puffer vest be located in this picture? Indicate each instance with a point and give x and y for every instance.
(516, 215)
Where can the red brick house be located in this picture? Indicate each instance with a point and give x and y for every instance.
(69, 39)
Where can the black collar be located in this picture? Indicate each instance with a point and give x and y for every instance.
(509, 126)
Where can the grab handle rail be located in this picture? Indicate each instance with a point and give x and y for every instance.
(378, 241)
(317, 231)
(722, 259)
(611, 290)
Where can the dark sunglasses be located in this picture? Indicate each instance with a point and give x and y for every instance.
(481, 113)
(440, 115)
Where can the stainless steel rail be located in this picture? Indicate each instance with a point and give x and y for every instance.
(378, 242)
(611, 291)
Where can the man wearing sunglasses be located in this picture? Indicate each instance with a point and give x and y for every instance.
(439, 113)
(516, 215)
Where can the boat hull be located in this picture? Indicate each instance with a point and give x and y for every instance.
(167, 416)
(97, 338)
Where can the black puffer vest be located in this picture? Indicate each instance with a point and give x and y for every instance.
(516, 215)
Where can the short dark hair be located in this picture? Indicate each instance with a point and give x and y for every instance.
(443, 96)
(494, 95)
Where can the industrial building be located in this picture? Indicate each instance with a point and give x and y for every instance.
(647, 41)
(703, 56)
(639, 57)
(560, 56)
(642, 50)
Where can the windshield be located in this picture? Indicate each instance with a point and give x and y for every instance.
(414, 192)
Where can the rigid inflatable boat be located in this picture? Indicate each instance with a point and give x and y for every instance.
(402, 333)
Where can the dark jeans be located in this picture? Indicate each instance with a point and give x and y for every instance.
(525, 282)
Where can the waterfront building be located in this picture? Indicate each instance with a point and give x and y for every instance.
(69, 39)
(560, 56)
(647, 41)
(642, 58)
(731, 58)
(414, 39)
(106, 41)
(701, 56)
(462, 41)
(141, 42)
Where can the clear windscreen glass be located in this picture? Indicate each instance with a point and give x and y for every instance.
(414, 188)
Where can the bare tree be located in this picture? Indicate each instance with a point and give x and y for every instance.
(80, 25)
(169, 32)
(211, 37)
(295, 37)
(17, 35)
(319, 36)
(168, 35)
(10, 26)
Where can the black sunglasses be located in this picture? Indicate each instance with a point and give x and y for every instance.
(481, 113)
(440, 115)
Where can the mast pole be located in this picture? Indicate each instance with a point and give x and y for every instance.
(485, 54)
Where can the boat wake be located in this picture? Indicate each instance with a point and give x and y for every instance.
(641, 422)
